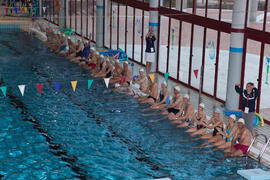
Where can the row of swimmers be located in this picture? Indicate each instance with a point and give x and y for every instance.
(234, 139)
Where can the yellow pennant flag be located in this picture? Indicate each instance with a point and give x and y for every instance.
(152, 77)
(74, 84)
(25, 9)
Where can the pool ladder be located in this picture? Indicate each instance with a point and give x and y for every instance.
(267, 141)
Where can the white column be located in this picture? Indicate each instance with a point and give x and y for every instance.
(253, 7)
(153, 25)
(99, 24)
(236, 53)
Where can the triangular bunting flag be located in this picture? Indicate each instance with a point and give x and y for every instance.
(152, 77)
(4, 90)
(122, 79)
(44, 9)
(90, 83)
(10, 9)
(107, 80)
(196, 71)
(16, 10)
(74, 84)
(57, 86)
(6, 10)
(39, 87)
(25, 9)
(21, 87)
(166, 76)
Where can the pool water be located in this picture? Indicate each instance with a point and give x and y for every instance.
(92, 133)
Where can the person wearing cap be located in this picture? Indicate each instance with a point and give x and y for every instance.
(199, 118)
(85, 51)
(248, 97)
(243, 136)
(63, 47)
(71, 47)
(126, 74)
(186, 113)
(150, 50)
(164, 98)
(99, 67)
(77, 53)
(106, 70)
(228, 134)
(175, 103)
(153, 96)
(142, 81)
(117, 71)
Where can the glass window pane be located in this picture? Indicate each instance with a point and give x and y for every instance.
(185, 52)
(174, 47)
(145, 31)
(138, 35)
(223, 65)
(197, 55)
(114, 25)
(210, 61)
(130, 31)
(162, 63)
(122, 26)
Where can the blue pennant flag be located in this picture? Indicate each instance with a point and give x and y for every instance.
(57, 86)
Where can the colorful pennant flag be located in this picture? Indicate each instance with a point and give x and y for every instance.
(44, 9)
(152, 77)
(74, 84)
(4, 90)
(166, 76)
(21, 88)
(122, 79)
(90, 83)
(16, 10)
(196, 71)
(25, 9)
(107, 80)
(57, 86)
(10, 9)
(6, 10)
(39, 87)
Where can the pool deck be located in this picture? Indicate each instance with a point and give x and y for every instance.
(210, 104)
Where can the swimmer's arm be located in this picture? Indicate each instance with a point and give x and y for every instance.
(231, 133)
(164, 99)
(214, 125)
(189, 111)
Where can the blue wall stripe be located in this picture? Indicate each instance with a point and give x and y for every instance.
(236, 50)
(100, 7)
(153, 24)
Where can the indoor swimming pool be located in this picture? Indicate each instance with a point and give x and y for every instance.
(91, 133)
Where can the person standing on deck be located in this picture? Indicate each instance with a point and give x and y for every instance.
(249, 97)
(150, 50)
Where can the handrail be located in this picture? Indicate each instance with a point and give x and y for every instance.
(253, 140)
(263, 150)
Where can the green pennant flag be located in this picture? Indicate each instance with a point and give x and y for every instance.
(10, 9)
(4, 90)
(166, 76)
(90, 83)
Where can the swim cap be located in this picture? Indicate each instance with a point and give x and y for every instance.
(117, 85)
(202, 105)
(93, 49)
(101, 56)
(141, 70)
(177, 88)
(232, 116)
(126, 62)
(68, 37)
(217, 111)
(186, 96)
(241, 120)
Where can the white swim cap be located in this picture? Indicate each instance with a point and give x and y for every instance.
(69, 37)
(126, 62)
(117, 60)
(93, 49)
(141, 70)
(241, 120)
(217, 110)
(202, 105)
(97, 53)
(177, 88)
(232, 116)
(117, 85)
(186, 96)
(101, 56)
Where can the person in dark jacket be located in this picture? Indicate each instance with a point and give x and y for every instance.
(249, 97)
(150, 50)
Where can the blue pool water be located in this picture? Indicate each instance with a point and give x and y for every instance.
(89, 134)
